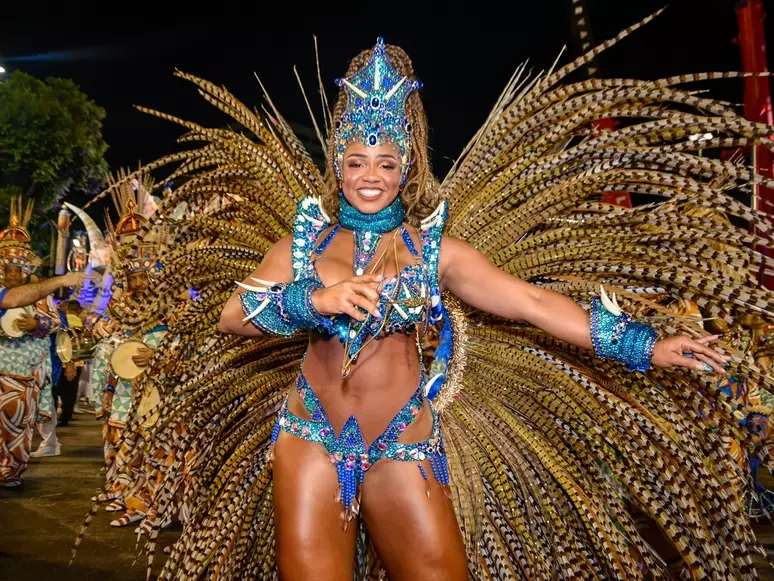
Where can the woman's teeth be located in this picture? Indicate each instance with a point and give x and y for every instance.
(369, 193)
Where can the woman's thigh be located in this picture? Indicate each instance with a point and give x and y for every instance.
(415, 536)
(310, 541)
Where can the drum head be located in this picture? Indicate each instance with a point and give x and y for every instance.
(8, 319)
(149, 400)
(121, 359)
(64, 346)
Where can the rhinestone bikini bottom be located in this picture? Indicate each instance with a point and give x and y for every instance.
(348, 452)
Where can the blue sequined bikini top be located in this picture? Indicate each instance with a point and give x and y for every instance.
(405, 299)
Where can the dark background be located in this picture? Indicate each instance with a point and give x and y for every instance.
(124, 53)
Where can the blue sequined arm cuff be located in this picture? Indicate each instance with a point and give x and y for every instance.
(265, 311)
(285, 308)
(619, 338)
(297, 303)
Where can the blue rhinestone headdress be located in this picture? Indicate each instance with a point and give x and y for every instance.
(375, 113)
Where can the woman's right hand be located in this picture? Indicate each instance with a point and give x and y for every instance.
(345, 296)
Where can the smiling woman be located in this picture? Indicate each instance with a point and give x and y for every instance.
(374, 159)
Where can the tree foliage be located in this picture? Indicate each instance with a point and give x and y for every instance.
(50, 140)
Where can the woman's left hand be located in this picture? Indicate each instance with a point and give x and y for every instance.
(672, 351)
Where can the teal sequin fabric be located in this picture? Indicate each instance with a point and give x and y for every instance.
(620, 338)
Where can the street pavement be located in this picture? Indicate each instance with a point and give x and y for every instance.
(40, 521)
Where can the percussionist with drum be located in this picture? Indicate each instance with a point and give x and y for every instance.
(121, 359)
(27, 317)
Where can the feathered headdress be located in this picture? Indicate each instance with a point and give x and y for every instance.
(15, 247)
(134, 242)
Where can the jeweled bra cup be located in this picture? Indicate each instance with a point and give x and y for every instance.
(348, 452)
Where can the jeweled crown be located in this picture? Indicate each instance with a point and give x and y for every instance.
(376, 109)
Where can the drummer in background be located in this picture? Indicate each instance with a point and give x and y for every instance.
(132, 306)
(136, 501)
(118, 397)
(25, 357)
(97, 327)
(49, 443)
(64, 380)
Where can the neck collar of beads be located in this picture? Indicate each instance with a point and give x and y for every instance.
(385, 220)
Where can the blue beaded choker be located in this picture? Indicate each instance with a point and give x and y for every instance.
(385, 220)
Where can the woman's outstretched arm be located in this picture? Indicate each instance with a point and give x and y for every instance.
(469, 275)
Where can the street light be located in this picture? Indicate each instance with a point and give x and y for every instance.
(2, 70)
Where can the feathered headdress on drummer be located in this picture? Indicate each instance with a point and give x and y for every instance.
(15, 242)
(135, 243)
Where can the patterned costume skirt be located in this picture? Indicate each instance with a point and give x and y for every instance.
(18, 407)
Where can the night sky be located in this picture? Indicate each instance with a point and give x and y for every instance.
(124, 53)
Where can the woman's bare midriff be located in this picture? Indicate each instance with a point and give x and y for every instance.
(385, 377)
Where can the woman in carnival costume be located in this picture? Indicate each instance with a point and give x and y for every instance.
(333, 448)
